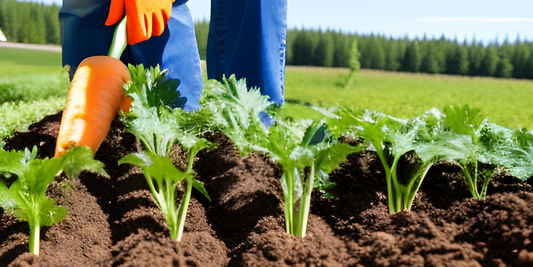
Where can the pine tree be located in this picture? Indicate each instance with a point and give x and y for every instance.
(291, 35)
(476, 53)
(504, 68)
(323, 53)
(391, 55)
(375, 53)
(490, 61)
(341, 56)
(461, 53)
(528, 68)
(411, 60)
(520, 57)
(429, 62)
(302, 48)
(51, 22)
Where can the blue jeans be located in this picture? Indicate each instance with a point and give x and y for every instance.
(248, 39)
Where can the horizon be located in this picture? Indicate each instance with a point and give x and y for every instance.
(487, 21)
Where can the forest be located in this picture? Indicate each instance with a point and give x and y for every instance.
(325, 48)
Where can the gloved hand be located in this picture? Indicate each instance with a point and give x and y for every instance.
(146, 18)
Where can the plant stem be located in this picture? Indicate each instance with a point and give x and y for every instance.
(469, 182)
(171, 207)
(388, 177)
(305, 204)
(183, 210)
(475, 178)
(35, 232)
(289, 200)
(119, 42)
(486, 181)
(415, 183)
(396, 196)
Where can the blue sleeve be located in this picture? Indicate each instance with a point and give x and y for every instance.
(83, 30)
(84, 34)
(248, 39)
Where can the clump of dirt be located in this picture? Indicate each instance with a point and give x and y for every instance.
(115, 222)
(270, 245)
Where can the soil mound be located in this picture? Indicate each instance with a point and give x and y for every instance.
(115, 222)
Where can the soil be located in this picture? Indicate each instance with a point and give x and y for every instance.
(115, 222)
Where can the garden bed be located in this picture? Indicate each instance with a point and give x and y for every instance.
(115, 222)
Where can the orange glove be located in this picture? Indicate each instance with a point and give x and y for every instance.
(146, 18)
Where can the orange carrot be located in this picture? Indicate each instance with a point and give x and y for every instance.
(126, 104)
(94, 98)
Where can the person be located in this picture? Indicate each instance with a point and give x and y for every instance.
(246, 38)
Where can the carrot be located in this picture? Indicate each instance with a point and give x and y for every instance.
(94, 98)
(126, 104)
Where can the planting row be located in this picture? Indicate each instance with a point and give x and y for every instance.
(307, 151)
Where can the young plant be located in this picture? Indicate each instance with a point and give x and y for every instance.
(304, 150)
(481, 148)
(156, 119)
(239, 112)
(164, 178)
(154, 100)
(25, 197)
(307, 160)
(406, 149)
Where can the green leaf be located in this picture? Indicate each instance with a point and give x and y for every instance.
(81, 158)
(7, 200)
(156, 127)
(200, 187)
(23, 208)
(38, 174)
(302, 156)
(155, 166)
(331, 157)
(151, 88)
(49, 212)
(463, 120)
(12, 161)
(235, 110)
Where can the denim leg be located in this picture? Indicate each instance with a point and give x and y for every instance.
(248, 38)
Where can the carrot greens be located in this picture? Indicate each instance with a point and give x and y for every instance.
(157, 120)
(305, 150)
(25, 196)
(482, 148)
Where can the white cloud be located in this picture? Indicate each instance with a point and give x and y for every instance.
(463, 19)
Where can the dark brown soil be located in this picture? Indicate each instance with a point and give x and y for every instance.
(115, 222)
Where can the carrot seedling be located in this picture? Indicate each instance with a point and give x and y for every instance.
(305, 151)
(481, 148)
(418, 141)
(25, 197)
(155, 118)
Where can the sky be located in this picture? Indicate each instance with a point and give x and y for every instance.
(487, 20)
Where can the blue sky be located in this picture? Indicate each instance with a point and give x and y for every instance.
(487, 20)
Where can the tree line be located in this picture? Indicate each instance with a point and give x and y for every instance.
(332, 49)
(30, 22)
(329, 48)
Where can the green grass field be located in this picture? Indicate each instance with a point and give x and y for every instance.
(505, 101)
(33, 85)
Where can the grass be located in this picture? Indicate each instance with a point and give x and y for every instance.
(33, 85)
(505, 101)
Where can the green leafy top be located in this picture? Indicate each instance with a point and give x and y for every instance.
(153, 113)
(151, 88)
(26, 195)
(235, 110)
